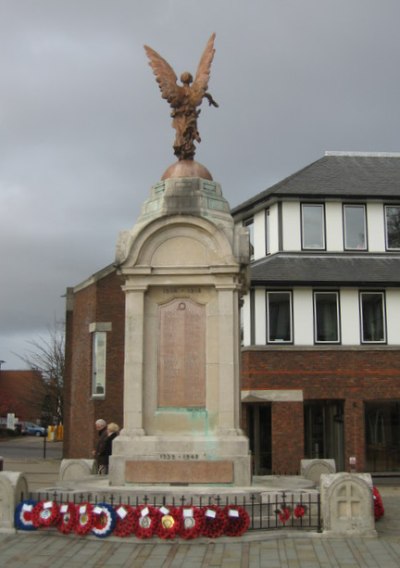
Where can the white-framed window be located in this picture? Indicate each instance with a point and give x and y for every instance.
(392, 224)
(373, 323)
(326, 317)
(279, 317)
(249, 224)
(355, 228)
(313, 226)
(267, 230)
(99, 348)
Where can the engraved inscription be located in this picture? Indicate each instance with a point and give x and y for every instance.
(181, 355)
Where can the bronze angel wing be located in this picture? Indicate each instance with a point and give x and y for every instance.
(165, 76)
(200, 84)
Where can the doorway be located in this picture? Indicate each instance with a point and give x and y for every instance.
(259, 431)
(324, 431)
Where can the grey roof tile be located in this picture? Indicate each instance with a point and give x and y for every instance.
(327, 269)
(345, 176)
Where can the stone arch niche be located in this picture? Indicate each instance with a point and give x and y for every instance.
(183, 275)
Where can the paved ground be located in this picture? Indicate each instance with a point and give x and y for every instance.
(255, 550)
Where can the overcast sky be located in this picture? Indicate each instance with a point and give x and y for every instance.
(84, 132)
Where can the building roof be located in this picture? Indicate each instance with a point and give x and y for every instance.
(287, 269)
(338, 175)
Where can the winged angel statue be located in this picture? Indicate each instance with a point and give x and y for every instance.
(184, 99)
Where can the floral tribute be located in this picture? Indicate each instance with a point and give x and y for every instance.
(147, 520)
(299, 511)
(379, 509)
(126, 521)
(104, 519)
(238, 520)
(68, 518)
(192, 524)
(143, 521)
(23, 515)
(284, 514)
(84, 519)
(214, 522)
(45, 514)
(169, 523)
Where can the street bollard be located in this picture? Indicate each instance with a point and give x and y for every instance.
(44, 447)
(1, 463)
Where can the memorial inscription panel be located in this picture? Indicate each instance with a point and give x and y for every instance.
(181, 354)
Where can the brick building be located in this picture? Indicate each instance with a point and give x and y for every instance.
(22, 393)
(321, 333)
(320, 324)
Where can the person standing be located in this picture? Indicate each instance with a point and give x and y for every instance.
(100, 450)
(112, 432)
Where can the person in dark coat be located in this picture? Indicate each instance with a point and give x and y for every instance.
(112, 433)
(100, 451)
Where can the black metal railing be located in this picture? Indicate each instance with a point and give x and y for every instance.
(267, 511)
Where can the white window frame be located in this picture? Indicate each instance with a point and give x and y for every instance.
(321, 293)
(346, 207)
(386, 227)
(382, 294)
(290, 295)
(321, 207)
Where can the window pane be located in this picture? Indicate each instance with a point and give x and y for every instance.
(313, 226)
(393, 227)
(99, 363)
(326, 316)
(372, 317)
(279, 316)
(354, 227)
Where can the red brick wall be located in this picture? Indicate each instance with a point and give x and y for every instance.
(287, 437)
(21, 393)
(351, 375)
(102, 301)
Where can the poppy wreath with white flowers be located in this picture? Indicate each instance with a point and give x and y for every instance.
(147, 519)
(68, 518)
(84, 518)
(23, 515)
(126, 520)
(45, 514)
(192, 523)
(104, 519)
(214, 521)
(169, 522)
(237, 520)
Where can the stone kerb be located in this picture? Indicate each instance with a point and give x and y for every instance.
(347, 504)
(74, 469)
(12, 486)
(313, 469)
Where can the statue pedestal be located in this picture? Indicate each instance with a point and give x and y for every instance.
(183, 271)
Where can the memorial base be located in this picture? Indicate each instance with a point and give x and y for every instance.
(181, 461)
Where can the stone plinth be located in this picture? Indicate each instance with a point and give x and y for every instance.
(347, 504)
(183, 267)
(12, 486)
(313, 469)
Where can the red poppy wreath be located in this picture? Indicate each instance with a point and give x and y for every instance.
(214, 522)
(68, 517)
(84, 518)
(192, 522)
(169, 522)
(45, 514)
(126, 520)
(147, 519)
(237, 520)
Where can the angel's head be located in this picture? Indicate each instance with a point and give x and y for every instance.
(186, 78)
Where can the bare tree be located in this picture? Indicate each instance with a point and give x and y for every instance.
(47, 356)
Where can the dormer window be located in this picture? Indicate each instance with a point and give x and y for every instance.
(249, 224)
(313, 226)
